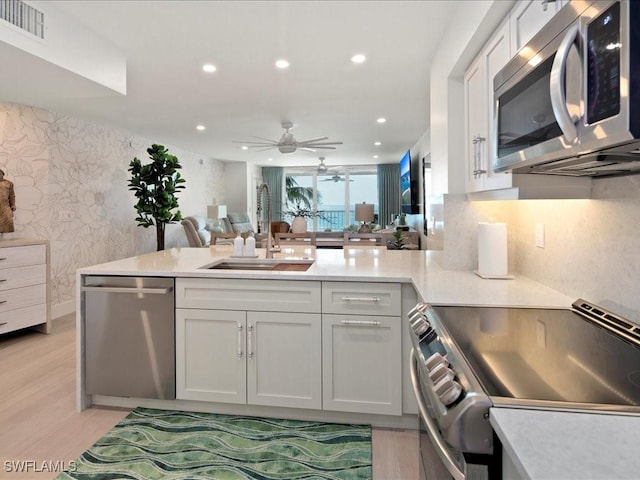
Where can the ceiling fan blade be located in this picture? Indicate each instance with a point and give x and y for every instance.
(314, 145)
(305, 148)
(256, 144)
(319, 147)
(267, 139)
(321, 143)
(313, 140)
(266, 148)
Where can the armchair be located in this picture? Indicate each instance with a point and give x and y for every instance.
(194, 228)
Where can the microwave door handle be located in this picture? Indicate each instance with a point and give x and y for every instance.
(557, 87)
(440, 445)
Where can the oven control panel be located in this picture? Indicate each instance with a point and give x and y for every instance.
(445, 384)
(445, 387)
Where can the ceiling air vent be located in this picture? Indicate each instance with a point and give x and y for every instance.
(23, 16)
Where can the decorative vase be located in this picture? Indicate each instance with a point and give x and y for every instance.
(299, 225)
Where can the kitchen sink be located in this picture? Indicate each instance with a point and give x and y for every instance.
(262, 264)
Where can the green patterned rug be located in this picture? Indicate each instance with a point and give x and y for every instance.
(161, 444)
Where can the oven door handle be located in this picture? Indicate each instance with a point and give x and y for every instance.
(440, 445)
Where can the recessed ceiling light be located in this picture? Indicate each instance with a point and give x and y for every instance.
(269, 159)
(377, 144)
(381, 120)
(209, 68)
(375, 156)
(244, 147)
(282, 63)
(358, 58)
(200, 127)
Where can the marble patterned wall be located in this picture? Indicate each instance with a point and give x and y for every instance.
(70, 178)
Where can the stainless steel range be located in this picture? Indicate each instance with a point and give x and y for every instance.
(468, 359)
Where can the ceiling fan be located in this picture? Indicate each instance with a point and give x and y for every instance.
(335, 178)
(322, 169)
(288, 143)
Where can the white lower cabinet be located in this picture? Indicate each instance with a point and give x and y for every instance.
(211, 355)
(361, 364)
(260, 358)
(267, 343)
(24, 273)
(362, 347)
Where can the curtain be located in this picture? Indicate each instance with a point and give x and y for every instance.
(272, 176)
(388, 192)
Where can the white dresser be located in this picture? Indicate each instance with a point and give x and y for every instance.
(24, 294)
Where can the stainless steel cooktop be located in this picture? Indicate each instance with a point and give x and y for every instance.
(585, 358)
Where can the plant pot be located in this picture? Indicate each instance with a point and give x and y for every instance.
(299, 225)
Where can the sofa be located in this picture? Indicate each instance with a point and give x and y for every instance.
(238, 223)
(199, 232)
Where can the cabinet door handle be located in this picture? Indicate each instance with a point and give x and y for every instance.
(361, 323)
(545, 3)
(2, 301)
(3, 279)
(3, 324)
(477, 161)
(240, 353)
(475, 155)
(250, 341)
(361, 299)
(3, 258)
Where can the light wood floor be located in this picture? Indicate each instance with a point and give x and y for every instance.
(39, 423)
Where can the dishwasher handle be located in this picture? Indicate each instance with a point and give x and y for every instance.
(151, 290)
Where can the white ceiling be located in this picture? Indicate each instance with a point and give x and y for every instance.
(322, 93)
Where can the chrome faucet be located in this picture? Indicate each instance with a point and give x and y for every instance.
(261, 188)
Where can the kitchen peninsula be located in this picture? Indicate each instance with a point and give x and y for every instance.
(354, 288)
(368, 288)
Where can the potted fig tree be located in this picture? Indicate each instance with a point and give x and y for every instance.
(155, 185)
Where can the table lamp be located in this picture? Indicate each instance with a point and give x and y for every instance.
(216, 212)
(364, 214)
(214, 215)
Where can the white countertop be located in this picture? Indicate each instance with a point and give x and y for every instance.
(544, 444)
(558, 445)
(376, 264)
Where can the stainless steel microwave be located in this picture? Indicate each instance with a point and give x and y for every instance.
(569, 102)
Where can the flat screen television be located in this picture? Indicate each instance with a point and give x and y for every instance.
(408, 185)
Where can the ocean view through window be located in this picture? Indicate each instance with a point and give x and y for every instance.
(335, 196)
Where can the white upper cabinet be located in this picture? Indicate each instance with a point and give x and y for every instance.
(527, 18)
(479, 113)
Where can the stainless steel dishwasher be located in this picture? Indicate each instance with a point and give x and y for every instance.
(129, 336)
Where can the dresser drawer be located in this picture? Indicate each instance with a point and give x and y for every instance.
(22, 318)
(11, 257)
(22, 297)
(251, 295)
(22, 277)
(359, 298)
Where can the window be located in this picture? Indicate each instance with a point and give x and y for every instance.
(335, 195)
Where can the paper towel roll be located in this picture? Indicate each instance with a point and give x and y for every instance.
(492, 249)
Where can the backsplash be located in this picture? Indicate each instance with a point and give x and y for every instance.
(592, 247)
(70, 179)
